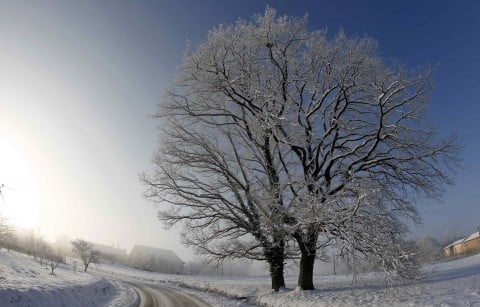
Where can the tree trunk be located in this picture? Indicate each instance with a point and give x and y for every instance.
(275, 258)
(305, 277)
(308, 250)
(276, 273)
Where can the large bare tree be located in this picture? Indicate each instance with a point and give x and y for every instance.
(223, 182)
(338, 134)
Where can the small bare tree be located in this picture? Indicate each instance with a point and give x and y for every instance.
(42, 250)
(86, 252)
(53, 261)
(150, 264)
(30, 243)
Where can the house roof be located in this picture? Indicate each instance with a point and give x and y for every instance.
(472, 236)
(454, 243)
(465, 239)
(165, 254)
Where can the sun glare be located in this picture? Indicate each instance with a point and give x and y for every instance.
(19, 201)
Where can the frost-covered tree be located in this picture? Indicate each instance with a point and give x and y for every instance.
(42, 250)
(223, 182)
(429, 249)
(6, 229)
(2, 186)
(449, 236)
(150, 264)
(35, 244)
(6, 232)
(53, 261)
(85, 251)
(50, 258)
(326, 139)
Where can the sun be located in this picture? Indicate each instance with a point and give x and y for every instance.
(19, 201)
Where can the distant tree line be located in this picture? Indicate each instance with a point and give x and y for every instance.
(30, 243)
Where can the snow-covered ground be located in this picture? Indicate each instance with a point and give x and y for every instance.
(24, 282)
(453, 283)
(182, 283)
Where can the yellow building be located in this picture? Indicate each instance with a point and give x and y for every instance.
(465, 246)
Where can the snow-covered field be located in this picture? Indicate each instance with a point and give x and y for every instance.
(24, 282)
(454, 283)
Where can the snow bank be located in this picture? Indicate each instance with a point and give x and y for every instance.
(24, 282)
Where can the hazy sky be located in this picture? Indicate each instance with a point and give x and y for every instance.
(78, 80)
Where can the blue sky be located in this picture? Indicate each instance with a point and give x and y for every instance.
(78, 80)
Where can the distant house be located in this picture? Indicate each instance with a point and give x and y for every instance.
(155, 259)
(465, 246)
(111, 254)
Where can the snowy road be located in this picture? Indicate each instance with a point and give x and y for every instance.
(164, 296)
